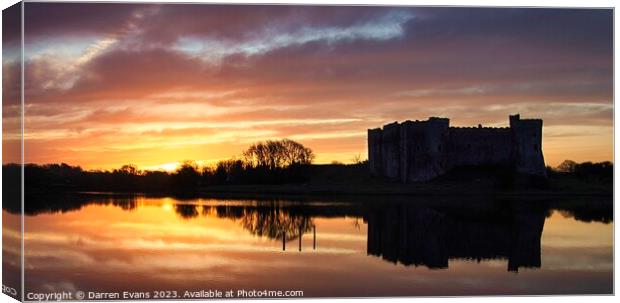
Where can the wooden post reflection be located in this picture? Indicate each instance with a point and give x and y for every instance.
(313, 237)
(300, 234)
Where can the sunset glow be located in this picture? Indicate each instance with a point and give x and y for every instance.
(112, 84)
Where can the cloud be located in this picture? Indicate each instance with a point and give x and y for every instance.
(201, 81)
(389, 26)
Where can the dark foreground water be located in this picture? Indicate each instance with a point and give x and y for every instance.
(355, 248)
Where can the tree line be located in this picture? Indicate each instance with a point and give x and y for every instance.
(587, 171)
(268, 162)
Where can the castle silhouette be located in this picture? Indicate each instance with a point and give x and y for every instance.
(422, 150)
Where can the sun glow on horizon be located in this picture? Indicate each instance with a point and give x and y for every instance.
(168, 167)
(173, 166)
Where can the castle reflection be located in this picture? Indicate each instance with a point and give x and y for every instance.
(423, 236)
(411, 233)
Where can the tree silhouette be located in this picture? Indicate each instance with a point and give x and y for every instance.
(187, 175)
(278, 154)
(568, 166)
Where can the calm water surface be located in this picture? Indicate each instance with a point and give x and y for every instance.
(346, 249)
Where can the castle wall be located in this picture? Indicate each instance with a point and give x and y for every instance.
(479, 146)
(422, 150)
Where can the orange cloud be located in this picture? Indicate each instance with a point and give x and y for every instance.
(204, 89)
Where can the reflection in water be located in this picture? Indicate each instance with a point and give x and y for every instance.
(271, 221)
(418, 235)
(423, 236)
(11, 254)
(186, 211)
(407, 234)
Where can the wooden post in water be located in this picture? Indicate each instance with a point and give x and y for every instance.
(314, 237)
(283, 240)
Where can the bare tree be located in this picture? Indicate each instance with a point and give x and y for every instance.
(274, 154)
(295, 153)
(129, 169)
(357, 159)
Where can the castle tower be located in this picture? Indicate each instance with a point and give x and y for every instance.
(390, 151)
(423, 149)
(528, 145)
(374, 151)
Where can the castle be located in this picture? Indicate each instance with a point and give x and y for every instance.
(415, 151)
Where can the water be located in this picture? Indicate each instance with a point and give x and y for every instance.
(354, 248)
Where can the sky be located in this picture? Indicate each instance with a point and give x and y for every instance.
(111, 84)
